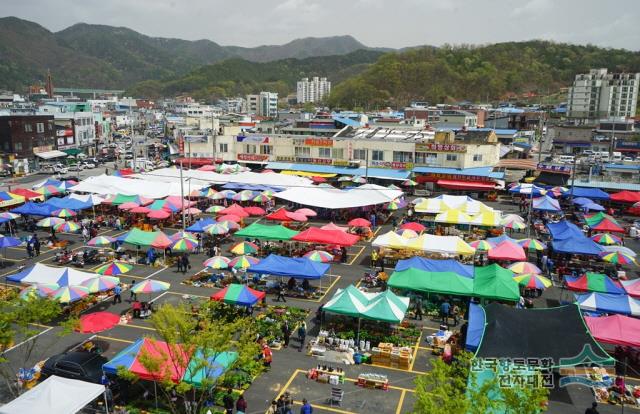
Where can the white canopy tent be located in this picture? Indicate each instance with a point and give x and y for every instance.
(93, 198)
(108, 184)
(333, 198)
(55, 395)
(40, 273)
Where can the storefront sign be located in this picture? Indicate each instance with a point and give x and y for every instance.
(433, 147)
(64, 132)
(195, 138)
(628, 145)
(44, 148)
(318, 142)
(253, 157)
(560, 169)
(253, 139)
(320, 161)
(395, 165)
(433, 177)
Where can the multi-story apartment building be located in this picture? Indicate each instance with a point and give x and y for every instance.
(314, 90)
(265, 104)
(23, 136)
(600, 94)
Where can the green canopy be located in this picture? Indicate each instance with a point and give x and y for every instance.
(495, 282)
(348, 301)
(448, 283)
(121, 199)
(386, 307)
(267, 232)
(208, 366)
(138, 237)
(598, 217)
(72, 151)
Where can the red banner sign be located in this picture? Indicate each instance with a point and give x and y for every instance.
(440, 147)
(253, 157)
(318, 142)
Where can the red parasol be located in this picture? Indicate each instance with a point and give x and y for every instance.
(97, 322)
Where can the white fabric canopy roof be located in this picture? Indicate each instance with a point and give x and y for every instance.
(55, 395)
(47, 155)
(40, 273)
(333, 198)
(452, 245)
(150, 188)
(93, 198)
(207, 178)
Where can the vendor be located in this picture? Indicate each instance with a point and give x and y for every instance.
(291, 284)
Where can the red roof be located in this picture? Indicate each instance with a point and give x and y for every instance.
(318, 235)
(615, 329)
(607, 225)
(507, 250)
(27, 194)
(235, 210)
(626, 196)
(173, 361)
(466, 185)
(280, 215)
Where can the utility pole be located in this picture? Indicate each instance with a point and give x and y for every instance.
(366, 165)
(573, 178)
(182, 197)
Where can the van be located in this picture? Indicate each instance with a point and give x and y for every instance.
(566, 159)
(617, 157)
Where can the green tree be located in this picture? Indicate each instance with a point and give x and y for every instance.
(444, 390)
(309, 107)
(23, 320)
(193, 341)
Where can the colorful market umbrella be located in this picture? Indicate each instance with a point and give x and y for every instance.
(217, 262)
(128, 205)
(193, 211)
(359, 179)
(140, 210)
(515, 225)
(594, 282)
(208, 192)
(261, 198)
(49, 222)
(417, 227)
(306, 211)
(183, 235)
(240, 295)
(255, 211)
(228, 194)
(184, 245)
(150, 286)
(68, 294)
(9, 216)
(38, 290)
(97, 322)
(618, 258)
(244, 195)
(532, 245)
(318, 180)
(408, 234)
(101, 241)
(532, 281)
(63, 212)
(268, 193)
(48, 190)
(7, 241)
(243, 262)
(606, 239)
(409, 183)
(67, 227)
(231, 225)
(393, 187)
(394, 205)
(482, 245)
(319, 256)
(214, 209)
(218, 196)
(100, 284)
(524, 267)
(230, 217)
(244, 248)
(114, 268)
(359, 222)
(216, 229)
(158, 214)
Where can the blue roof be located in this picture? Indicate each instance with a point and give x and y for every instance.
(70, 203)
(610, 185)
(431, 265)
(577, 245)
(564, 230)
(297, 267)
(35, 209)
(622, 166)
(475, 329)
(477, 171)
(383, 173)
(498, 131)
(592, 193)
(198, 226)
(347, 121)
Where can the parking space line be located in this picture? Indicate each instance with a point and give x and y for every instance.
(288, 383)
(326, 408)
(155, 273)
(356, 258)
(415, 352)
(400, 402)
(398, 369)
(137, 326)
(321, 298)
(28, 339)
(110, 338)
(188, 294)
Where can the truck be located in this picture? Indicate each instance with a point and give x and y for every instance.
(142, 164)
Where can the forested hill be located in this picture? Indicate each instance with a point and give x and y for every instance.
(475, 73)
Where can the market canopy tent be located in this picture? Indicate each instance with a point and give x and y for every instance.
(615, 329)
(495, 282)
(333, 198)
(390, 240)
(603, 223)
(594, 282)
(266, 232)
(198, 226)
(564, 230)
(448, 283)
(69, 202)
(475, 330)
(451, 245)
(296, 267)
(318, 235)
(138, 237)
(607, 303)
(55, 395)
(34, 209)
(432, 265)
(546, 203)
(626, 197)
(507, 250)
(527, 333)
(240, 295)
(592, 193)
(383, 306)
(577, 245)
(109, 184)
(62, 276)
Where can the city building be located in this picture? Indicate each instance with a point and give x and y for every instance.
(600, 94)
(235, 105)
(24, 136)
(265, 104)
(314, 90)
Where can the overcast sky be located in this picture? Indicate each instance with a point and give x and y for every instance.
(388, 23)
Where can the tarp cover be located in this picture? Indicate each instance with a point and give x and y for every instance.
(34, 209)
(495, 282)
(40, 273)
(626, 196)
(55, 395)
(266, 232)
(581, 245)
(615, 329)
(333, 198)
(475, 329)
(296, 267)
(432, 265)
(529, 333)
(383, 306)
(138, 237)
(592, 193)
(607, 303)
(564, 230)
(152, 187)
(68, 202)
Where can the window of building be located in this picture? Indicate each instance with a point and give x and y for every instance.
(377, 155)
(251, 149)
(337, 153)
(453, 157)
(324, 152)
(359, 154)
(17, 146)
(402, 156)
(223, 147)
(302, 151)
(40, 127)
(265, 149)
(429, 158)
(28, 128)
(477, 157)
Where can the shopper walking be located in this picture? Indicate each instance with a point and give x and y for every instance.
(302, 334)
(117, 291)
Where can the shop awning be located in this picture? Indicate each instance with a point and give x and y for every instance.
(72, 151)
(48, 155)
(466, 185)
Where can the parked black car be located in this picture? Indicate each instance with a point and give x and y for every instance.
(83, 366)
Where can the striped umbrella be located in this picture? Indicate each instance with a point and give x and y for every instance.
(218, 196)
(243, 262)
(48, 190)
(515, 225)
(217, 262)
(618, 258)
(216, 229)
(10, 216)
(208, 192)
(394, 205)
(268, 193)
(482, 245)
(244, 195)
(231, 225)
(532, 281)
(228, 194)
(68, 294)
(532, 245)
(319, 256)
(101, 241)
(244, 248)
(49, 222)
(261, 198)
(100, 284)
(114, 268)
(38, 290)
(409, 183)
(63, 212)
(184, 245)
(183, 235)
(606, 239)
(214, 209)
(524, 267)
(67, 227)
(150, 286)
(408, 233)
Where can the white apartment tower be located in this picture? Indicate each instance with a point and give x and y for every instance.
(264, 104)
(599, 94)
(313, 90)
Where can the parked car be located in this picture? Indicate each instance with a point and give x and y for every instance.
(76, 167)
(83, 366)
(88, 164)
